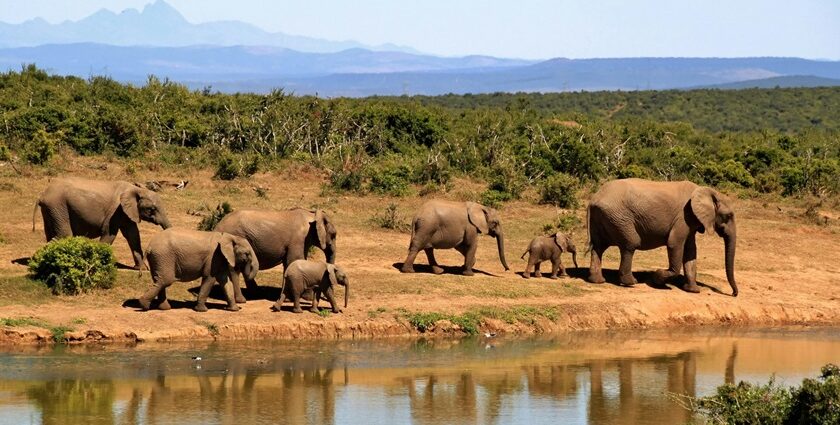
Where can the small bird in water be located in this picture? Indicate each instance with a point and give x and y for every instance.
(196, 358)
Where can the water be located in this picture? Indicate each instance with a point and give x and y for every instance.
(619, 378)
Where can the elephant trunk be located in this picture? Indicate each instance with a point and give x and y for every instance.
(500, 243)
(574, 258)
(163, 221)
(729, 239)
(330, 253)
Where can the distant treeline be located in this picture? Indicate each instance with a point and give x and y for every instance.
(767, 140)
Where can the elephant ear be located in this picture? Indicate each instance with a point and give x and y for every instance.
(704, 205)
(226, 246)
(478, 217)
(562, 241)
(321, 228)
(331, 274)
(128, 201)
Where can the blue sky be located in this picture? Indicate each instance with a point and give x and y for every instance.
(525, 28)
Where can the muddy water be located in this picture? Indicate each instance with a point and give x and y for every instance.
(620, 378)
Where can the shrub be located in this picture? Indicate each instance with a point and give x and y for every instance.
(494, 198)
(41, 148)
(74, 265)
(560, 190)
(209, 221)
(391, 219)
(817, 401)
(346, 180)
(390, 180)
(229, 167)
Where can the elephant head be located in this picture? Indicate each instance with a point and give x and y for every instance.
(566, 245)
(326, 234)
(239, 255)
(139, 204)
(338, 277)
(712, 211)
(486, 221)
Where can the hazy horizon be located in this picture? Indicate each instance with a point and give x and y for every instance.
(540, 29)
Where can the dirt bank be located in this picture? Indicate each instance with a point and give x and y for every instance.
(786, 269)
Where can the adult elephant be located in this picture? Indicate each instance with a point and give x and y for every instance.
(636, 214)
(99, 209)
(446, 224)
(280, 237)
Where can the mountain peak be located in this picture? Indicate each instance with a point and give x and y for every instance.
(161, 10)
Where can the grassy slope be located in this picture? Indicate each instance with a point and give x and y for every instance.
(785, 268)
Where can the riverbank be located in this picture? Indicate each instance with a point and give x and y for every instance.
(786, 269)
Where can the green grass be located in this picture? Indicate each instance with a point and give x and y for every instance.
(324, 313)
(471, 320)
(58, 331)
(375, 313)
(211, 327)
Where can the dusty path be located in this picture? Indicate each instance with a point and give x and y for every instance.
(786, 268)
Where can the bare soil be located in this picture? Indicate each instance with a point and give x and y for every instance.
(786, 268)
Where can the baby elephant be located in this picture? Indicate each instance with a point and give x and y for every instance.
(304, 277)
(185, 255)
(544, 248)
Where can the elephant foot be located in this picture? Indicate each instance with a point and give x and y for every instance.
(315, 310)
(693, 288)
(145, 304)
(297, 310)
(201, 308)
(277, 307)
(596, 278)
(407, 269)
(627, 280)
(336, 310)
(553, 277)
(437, 269)
(233, 307)
(661, 276)
(525, 275)
(240, 300)
(164, 305)
(468, 272)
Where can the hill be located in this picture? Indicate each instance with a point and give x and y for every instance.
(780, 82)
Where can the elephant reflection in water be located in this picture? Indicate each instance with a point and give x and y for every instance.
(246, 394)
(635, 406)
(433, 399)
(74, 401)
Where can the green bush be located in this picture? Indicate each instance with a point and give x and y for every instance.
(229, 167)
(494, 198)
(74, 265)
(209, 221)
(816, 401)
(560, 190)
(391, 219)
(41, 148)
(390, 180)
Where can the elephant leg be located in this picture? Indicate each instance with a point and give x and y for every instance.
(163, 301)
(108, 239)
(145, 300)
(278, 305)
(237, 290)
(625, 269)
(206, 285)
(330, 292)
(537, 272)
(469, 257)
(690, 265)
(430, 254)
(675, 259)
(316, 294)
(296, 300)
(222, 279)
(528, 268)
(132, 235)
(595, 273)
(413, 249)
(555, 267)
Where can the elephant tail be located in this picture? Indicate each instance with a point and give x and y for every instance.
(35, 212)
(588, 248)
(522, 257)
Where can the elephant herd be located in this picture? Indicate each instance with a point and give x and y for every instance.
(631, 214)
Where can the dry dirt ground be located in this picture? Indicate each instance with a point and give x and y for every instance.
(786, 267)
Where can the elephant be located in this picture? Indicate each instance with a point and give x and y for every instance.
(637, 214)
(280, 237)
(544, 248)
(99, 209)
(446, 224)
(315, 277)
(185, 255)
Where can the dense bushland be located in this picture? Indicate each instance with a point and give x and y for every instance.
(784, 141)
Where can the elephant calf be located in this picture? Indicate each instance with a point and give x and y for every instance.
(185, 255)
(314, 277)
(544, 248)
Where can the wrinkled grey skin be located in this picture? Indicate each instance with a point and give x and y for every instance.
(636, 214)
(544, 248)
(280, 237)
(304, 277)
(185, 255)
(446, 224)
(99, 209)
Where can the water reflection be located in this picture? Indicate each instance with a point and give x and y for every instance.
(598, 378)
